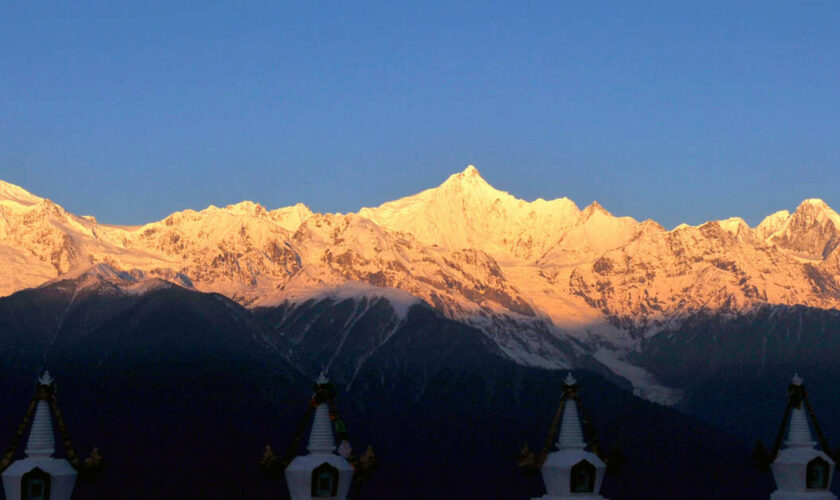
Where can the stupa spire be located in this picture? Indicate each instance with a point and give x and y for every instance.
(41, 442)
(571, 434)
(321, 438)
(799, 434)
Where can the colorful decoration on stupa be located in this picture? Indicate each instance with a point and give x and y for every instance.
(572, 471)
(326, 471)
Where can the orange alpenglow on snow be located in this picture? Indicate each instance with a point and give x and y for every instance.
(526, 273)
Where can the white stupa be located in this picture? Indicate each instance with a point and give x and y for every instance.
(571, 472)
(322, 473)
(40, 476)
(800, 470)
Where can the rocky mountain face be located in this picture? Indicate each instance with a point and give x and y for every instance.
(549, 284)
(811, 232)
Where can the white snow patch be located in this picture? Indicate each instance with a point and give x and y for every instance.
(734, 225)
(18, 195)
(644, 384)
(681, 227)
(145, 286)
(400, 300)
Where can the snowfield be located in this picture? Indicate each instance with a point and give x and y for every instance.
(549, 283)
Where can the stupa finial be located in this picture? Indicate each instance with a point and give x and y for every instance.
(570, 379)
(797, 380)
(45, 378)
(322, 378)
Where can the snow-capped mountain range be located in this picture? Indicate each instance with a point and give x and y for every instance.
(550, 283)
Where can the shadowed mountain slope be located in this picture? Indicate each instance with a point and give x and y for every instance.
(172, 383)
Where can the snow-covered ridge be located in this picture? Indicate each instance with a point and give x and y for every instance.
(467, 212)
(546, 281)
(400, 300)
(17, 195)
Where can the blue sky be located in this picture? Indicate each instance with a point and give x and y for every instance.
(677, 111)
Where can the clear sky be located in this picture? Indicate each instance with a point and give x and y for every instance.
(677, 111)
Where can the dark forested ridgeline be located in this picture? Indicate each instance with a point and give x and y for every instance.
(182, 391)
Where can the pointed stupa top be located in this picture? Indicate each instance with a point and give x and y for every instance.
(799, 434)
(41, 442)
(321, 439)
(571, 434)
